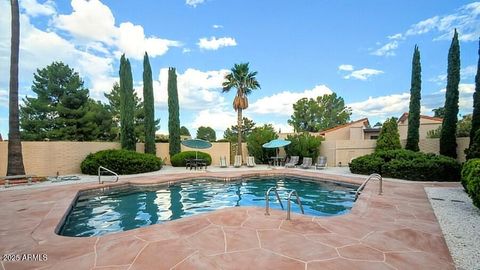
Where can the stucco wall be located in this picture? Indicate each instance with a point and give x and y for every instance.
(48, 158)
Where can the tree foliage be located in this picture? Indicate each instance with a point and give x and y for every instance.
(476, 111)
(414, 108)
(464, 126)
(231, 133)
(303, 145)
(62, 109)
(173, 113)
(149, 109)
(258, 137)
(184, 131)
(245, 82)
(439, 112)
(127, 106)
(448, 141)
(206, 133)
(324, 112)
(389, 138)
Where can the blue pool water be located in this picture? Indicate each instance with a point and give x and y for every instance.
(124, 208)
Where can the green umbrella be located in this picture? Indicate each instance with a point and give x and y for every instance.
(197, 144)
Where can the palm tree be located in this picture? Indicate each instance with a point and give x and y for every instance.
(15, 158)
(244, 81)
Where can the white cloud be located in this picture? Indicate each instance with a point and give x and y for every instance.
(387, 49)
(3, 98)
(345, 67)
(282, 103)
(214, 43)
(194, 3)
(396, 36)
(196, 89)
(465, 74)
(363, 74)
(33, 8)
(217, 26)
(217, 118)
(186, 50)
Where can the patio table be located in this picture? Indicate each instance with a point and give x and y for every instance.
(196, 162)
(277, 160)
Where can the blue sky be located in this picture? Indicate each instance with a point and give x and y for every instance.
(359, 49)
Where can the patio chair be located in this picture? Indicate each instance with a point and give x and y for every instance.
(238, 161)
(223, 162)
(307, 163)
(251, 162)
(321, 162)
(293, 162)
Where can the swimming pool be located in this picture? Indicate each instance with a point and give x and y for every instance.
(99, 212)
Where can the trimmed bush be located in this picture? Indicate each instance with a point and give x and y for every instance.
(471, 179)
(406, 164)
(178, 160)
(389, 138)
(121, 162)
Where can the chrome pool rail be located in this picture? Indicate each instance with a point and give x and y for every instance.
(362, 186)
(289, 207)
(103, 169)
(267, 203)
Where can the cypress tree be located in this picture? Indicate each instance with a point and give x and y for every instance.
(414, 108)
(127, 110)
(148, 99)
(476, 110)
(448, 140)
(173, 113)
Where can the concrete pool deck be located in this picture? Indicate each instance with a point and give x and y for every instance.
(396, 230)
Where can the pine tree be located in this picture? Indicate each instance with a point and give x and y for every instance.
(173, 113)
(148, 107)
(127, 109)
(414, 108)
(389, 138)
(476, 111)
(448, 140)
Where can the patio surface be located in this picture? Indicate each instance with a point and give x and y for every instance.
(396, 230)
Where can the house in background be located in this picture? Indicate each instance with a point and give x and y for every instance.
(427, 123)
(356, 130)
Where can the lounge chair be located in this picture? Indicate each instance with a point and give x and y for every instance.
(321, 163)
(293, 162)
(223, 162)
(251, 162)
(307, 163)
(238, 161)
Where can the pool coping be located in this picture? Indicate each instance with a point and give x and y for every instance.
(44, 234)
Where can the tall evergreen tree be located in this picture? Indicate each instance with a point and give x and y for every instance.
(148, 107)
(173, 113)
(15, 157)
(448, 140)
(476, 108)
(414, 108)
(127, 106)
(389, 138)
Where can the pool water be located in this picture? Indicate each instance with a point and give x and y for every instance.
(124, 208)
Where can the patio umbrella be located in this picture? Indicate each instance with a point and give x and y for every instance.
(277, 143)
(197, 144)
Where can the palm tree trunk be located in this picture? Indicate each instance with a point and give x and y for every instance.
(239, 135)
(15, 158)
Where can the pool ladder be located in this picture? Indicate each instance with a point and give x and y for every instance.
(289, 204)
(362, 186)
(103, 169)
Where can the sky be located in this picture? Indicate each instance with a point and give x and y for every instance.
(361, 50)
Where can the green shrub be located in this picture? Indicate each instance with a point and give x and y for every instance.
(257, 138)
(121, 162)
(389, 138)
(471, 179)
(406, 164)
(178, 160)
(303, 145)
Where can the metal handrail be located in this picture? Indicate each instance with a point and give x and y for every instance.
(267, 204)
(101, 168)
(289, 203)
(371, 176)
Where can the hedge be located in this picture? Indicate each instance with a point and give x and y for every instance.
(121, 162)
(471, 179)
(406, 164)
(178, 160)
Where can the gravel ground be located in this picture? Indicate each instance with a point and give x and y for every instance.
(460, 222)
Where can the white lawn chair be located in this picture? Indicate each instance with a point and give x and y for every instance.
(251, 162)
(293, 162)
(223, 162)
(307, 163)
(238, 161)
(321, 163)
